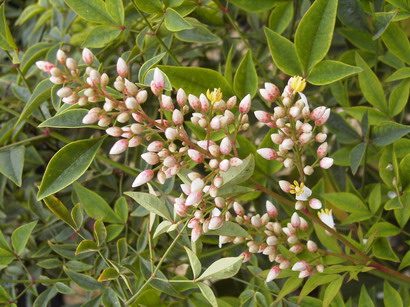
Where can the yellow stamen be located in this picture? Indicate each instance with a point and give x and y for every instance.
(214, 96)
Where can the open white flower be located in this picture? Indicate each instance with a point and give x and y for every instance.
(326, 217)
(301, 191)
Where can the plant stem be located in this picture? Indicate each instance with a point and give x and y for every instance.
(24, 141)
(135, 296)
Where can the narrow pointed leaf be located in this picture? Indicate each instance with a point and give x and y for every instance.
(20, 236)
(246, 79)
(12, 162)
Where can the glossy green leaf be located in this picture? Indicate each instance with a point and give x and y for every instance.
(345, 134)
(194, 262)
(283, 53)
(100, 36)
(67, 119)
(362, 40)
(175, 22)
(246, 79)
(222, 268)
(20, 236)
(404, 170)
(63, 288)
(41, 93)
(6, 257)
(121, 209)
(405, 262)
(383, 229)
(84, 281)
(397, 42)
(387, 132)
(399, 97)
(108, 274)
(100, 232)
(12, 162)
(374, 116)
(152, 203)
(195, 80)
(86, 246)
(327, 72)
(59, 210)
(208, 294)
(315, 281)
(199, 34)
(6, 39)
(148, 65)
(122, 249)
(364, 299)
(161, 228)
(370, 86)
(381, 22)
(383, 250)
(375, 198)
(352, 15)
(239, 174)
(391, 296)
(402, 73)
(346, 201)
(67, 165)
(95, 206)
(45, 297)
(315, 31)
(280, 17)
(230, 229)
(77, 216)
(331, 291)
(116, 10)
(150, 7)
(32, 54)
(356, 156)
(91, 10)
(254, 7)
(289, 286)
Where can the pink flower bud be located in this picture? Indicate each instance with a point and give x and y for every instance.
(71, 64)
(166, 103)
(323, 119)
(315, 203)
(186, 188)
(181, 97)
(150, 157)
(135, 141)
(284, 264)
(224, 165)
(61, 56)
(245, 104)
(220, 202)
(287, 144)
(130, 88)
(246, 256)
(142, 96)
(285, 186)
(293, 239)
(273, 273)
(306, 127)
(322, 150)
(226, 146)
(196, 233)
(143, 178)
(294, 111)
(177, 117)
(193, 223)
(122, 68)
(304, 226)
(193, 198)
(271, 209)
(267, 153)
(317, 113)
(288, 163)
(171, 133)
(300, 266)
(123, 117)
(194, 102)
(64, 92)
(197, 185)
(296, 249)
(45, 66)
(214, 150)
(237, 207)
(272, 240)
(195, 156)
(276, 138)
(158, 82)
(326, 163)
(131, 103)
(308, 170)
(256, 221)
(90, 118)
(119, 147)
(321, 137)
(262, 116)
(218, 181)
(305, 273)
(311, 246)
(305, 137)
(320, 268)
(216, 222)
(231, 102)
(114, 131)
(235, 161)
(170, 161)
(204, 103)
(295, 220)
(88, 56)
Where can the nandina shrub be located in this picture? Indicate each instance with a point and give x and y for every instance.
(248, 153)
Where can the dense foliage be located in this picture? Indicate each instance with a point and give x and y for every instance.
(194, 153)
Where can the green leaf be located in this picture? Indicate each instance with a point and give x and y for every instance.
(381, 21)
(122, 249)
(108, 274)
(254, 6)
(383, 229)
(63, 288)
(95, 206)
(6, 257)
(399, 97)
(6, 39)
(346, 201)
(41, 93)
(345, 134)
(161, 228)
(84, 281)
(77, 216)
(397, 42)
(100, 232)
(208, 294)
(405, 262)
(32, 54)
(387, 132)
(331, 291)
(150, 7)
(230, 229)
(356, 156)
(199, 34)
(315, 31)
(241, 173)
(375, 198)
(100, 36)
(327, 72)
(283, 53)
(59, 210)
(20, 236)
(152, 203)
(404, 170)
(391, 296)
(402, 73)
(315, 281)
(67, 119)
(67, 165)
(12, 162)
(289, 286)
(44, 298)
(383, 250)
(371, 86)
(195, 80)
(374, 116)
(351, 14)
(121, 209)
(175, 22)
(86, 246)
(194, 262)
(116, 10)
(148, 65)
(222, 268)
(364, 299)
(280, 17)
(246, 79)
(362, 40)
(91, 10)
